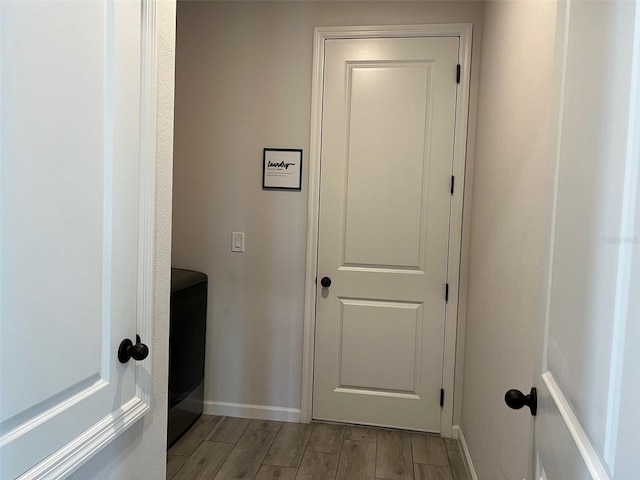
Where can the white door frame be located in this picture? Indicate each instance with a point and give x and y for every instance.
(464, 32)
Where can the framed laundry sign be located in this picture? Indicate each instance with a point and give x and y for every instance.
(282, 169)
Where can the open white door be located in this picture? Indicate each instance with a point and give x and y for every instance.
(76, 246)
(587, 423)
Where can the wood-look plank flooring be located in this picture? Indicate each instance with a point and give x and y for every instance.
(227, 448)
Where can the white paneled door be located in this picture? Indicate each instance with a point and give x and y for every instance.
(76, 227)
(587, 421)
(389, 114)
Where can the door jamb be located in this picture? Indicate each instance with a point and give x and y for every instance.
(464, 32)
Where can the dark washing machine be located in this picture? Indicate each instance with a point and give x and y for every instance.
(186, 350)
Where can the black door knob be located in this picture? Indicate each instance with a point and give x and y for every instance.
(128, 350)
(325, 282)
(516, 399)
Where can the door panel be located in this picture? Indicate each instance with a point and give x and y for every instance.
(593, 239)
(387, 153)
(378, 348)
(386, 122)
(39, 207)
(71, 250)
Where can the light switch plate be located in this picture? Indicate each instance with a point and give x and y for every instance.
(237, 241)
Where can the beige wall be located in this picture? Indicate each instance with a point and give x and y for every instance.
(508, 226)
(243, 83)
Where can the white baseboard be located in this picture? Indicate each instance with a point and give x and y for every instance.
(259, 412)
(466, 456)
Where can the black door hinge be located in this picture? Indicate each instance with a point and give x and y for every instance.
(442, 397)
(458, 72)
(452, 183)
(446, 293)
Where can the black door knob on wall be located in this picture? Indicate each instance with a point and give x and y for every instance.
(516, 399)
(128, 350)
(325, 282)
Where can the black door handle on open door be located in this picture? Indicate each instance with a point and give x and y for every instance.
(516, 399)
(325, 282)
(128, 350)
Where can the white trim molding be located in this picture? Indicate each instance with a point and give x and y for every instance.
(591, 459)
(466, 456)
(70, 457)
(259, 412)
(147, 195)
(464, 33)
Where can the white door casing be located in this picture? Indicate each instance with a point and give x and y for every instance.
(77, 224)
(361, 258)
(585, 428)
